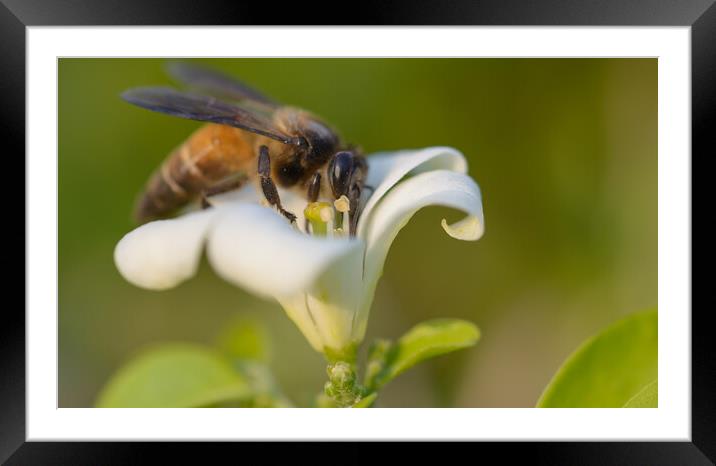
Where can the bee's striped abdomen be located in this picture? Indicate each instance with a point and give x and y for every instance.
(211, 154)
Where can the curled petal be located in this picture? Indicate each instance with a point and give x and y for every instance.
(439, 187)
(385, 170)
(163, 253)
(258, 249)
(470, 228)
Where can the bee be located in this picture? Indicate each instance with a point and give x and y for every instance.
(247, 137)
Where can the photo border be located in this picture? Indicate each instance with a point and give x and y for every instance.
(13, 23)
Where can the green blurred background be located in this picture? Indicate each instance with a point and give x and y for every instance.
(564, 150)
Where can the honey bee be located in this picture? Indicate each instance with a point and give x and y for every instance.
(247, 137)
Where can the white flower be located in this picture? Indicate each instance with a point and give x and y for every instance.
(326, 284)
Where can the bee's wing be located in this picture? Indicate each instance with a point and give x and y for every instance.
(215, 83)
(206, 108)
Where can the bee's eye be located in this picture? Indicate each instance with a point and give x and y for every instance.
(340, 170)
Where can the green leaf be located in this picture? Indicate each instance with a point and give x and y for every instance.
(609, 368)
(266, 392)
(174, 376)
(244, 338)
(425, 340)
(648, 397)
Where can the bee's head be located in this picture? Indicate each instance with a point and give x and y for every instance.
(346, 173)
(319, 141)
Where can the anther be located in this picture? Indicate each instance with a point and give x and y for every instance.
(342, 204)
(326, 214)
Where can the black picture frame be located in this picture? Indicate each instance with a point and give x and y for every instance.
(16, 15)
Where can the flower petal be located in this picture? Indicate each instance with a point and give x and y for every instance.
(439, 187)
(161, 254)
(296, 308)
(325, 312)
(256, 248)
(388, 168)
(250, 194)
(244, 194)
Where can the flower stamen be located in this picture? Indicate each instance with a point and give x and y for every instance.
(342, 205)
(318, 215)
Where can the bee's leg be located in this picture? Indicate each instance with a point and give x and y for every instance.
(314, 189)
(221, 187)
(268, 186)
(357, 203)
(355, 209)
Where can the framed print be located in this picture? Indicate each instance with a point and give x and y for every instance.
(487, 226)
